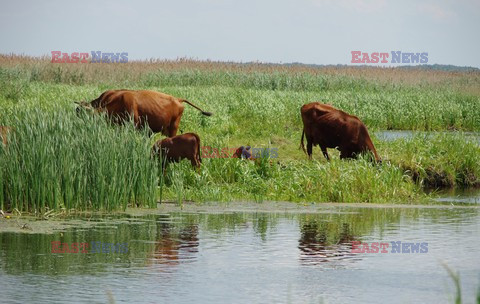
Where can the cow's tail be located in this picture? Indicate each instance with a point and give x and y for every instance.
(202, 111)
(302, 145)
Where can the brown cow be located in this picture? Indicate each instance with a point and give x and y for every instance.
(4, 134)
(160, 111)
(185, 146)
(329, 127)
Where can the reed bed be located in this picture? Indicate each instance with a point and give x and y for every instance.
(55, 160)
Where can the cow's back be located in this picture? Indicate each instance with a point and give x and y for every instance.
(160, 111)
(314, 111)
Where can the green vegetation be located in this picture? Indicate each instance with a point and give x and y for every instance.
(56, 159)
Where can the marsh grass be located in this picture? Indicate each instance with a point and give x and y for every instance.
(133, 72)
(13, 83)
(336, 181)
(436, 161)
(60, 161)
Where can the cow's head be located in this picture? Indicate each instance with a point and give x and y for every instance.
(83, 106)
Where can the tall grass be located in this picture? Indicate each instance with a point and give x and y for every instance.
(58, 160)
(336, 181)
(258, 94)
(441, 160)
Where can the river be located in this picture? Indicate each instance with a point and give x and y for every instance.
(248, 253)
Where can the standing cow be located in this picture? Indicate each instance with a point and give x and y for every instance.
(185, 146)
(329, 127)
(161, 112)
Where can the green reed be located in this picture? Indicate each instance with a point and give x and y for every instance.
(56, 160)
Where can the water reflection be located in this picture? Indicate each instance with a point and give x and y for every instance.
(398, 134)
(249, 257)
(316, 247)
(173, 246)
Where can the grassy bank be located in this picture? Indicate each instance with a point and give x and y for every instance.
(58, 160)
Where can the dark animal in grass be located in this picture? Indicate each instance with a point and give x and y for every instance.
(329, 127)
(161, 112)
(243, 152)
(4, 131)
(174, 149)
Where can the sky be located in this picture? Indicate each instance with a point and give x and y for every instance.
(276, 31)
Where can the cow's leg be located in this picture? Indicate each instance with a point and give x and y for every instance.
(325, 153)
(345, 154)
(309, 148)
(198, 159)
(133, 114)
(195, 163)
(173, 128)
(143, 125)
(137, 121)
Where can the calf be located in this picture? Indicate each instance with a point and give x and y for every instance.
(185, 146)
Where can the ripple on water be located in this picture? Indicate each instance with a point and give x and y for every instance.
(251, 257)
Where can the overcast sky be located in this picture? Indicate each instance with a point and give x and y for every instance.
(307, 31)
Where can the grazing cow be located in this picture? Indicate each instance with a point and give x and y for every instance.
(185, 146)
(329, 127)
(161, 112)
(243, 152)
(4, 134)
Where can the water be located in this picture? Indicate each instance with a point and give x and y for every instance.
(458, 195)
(398, 134)
(280, 254)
